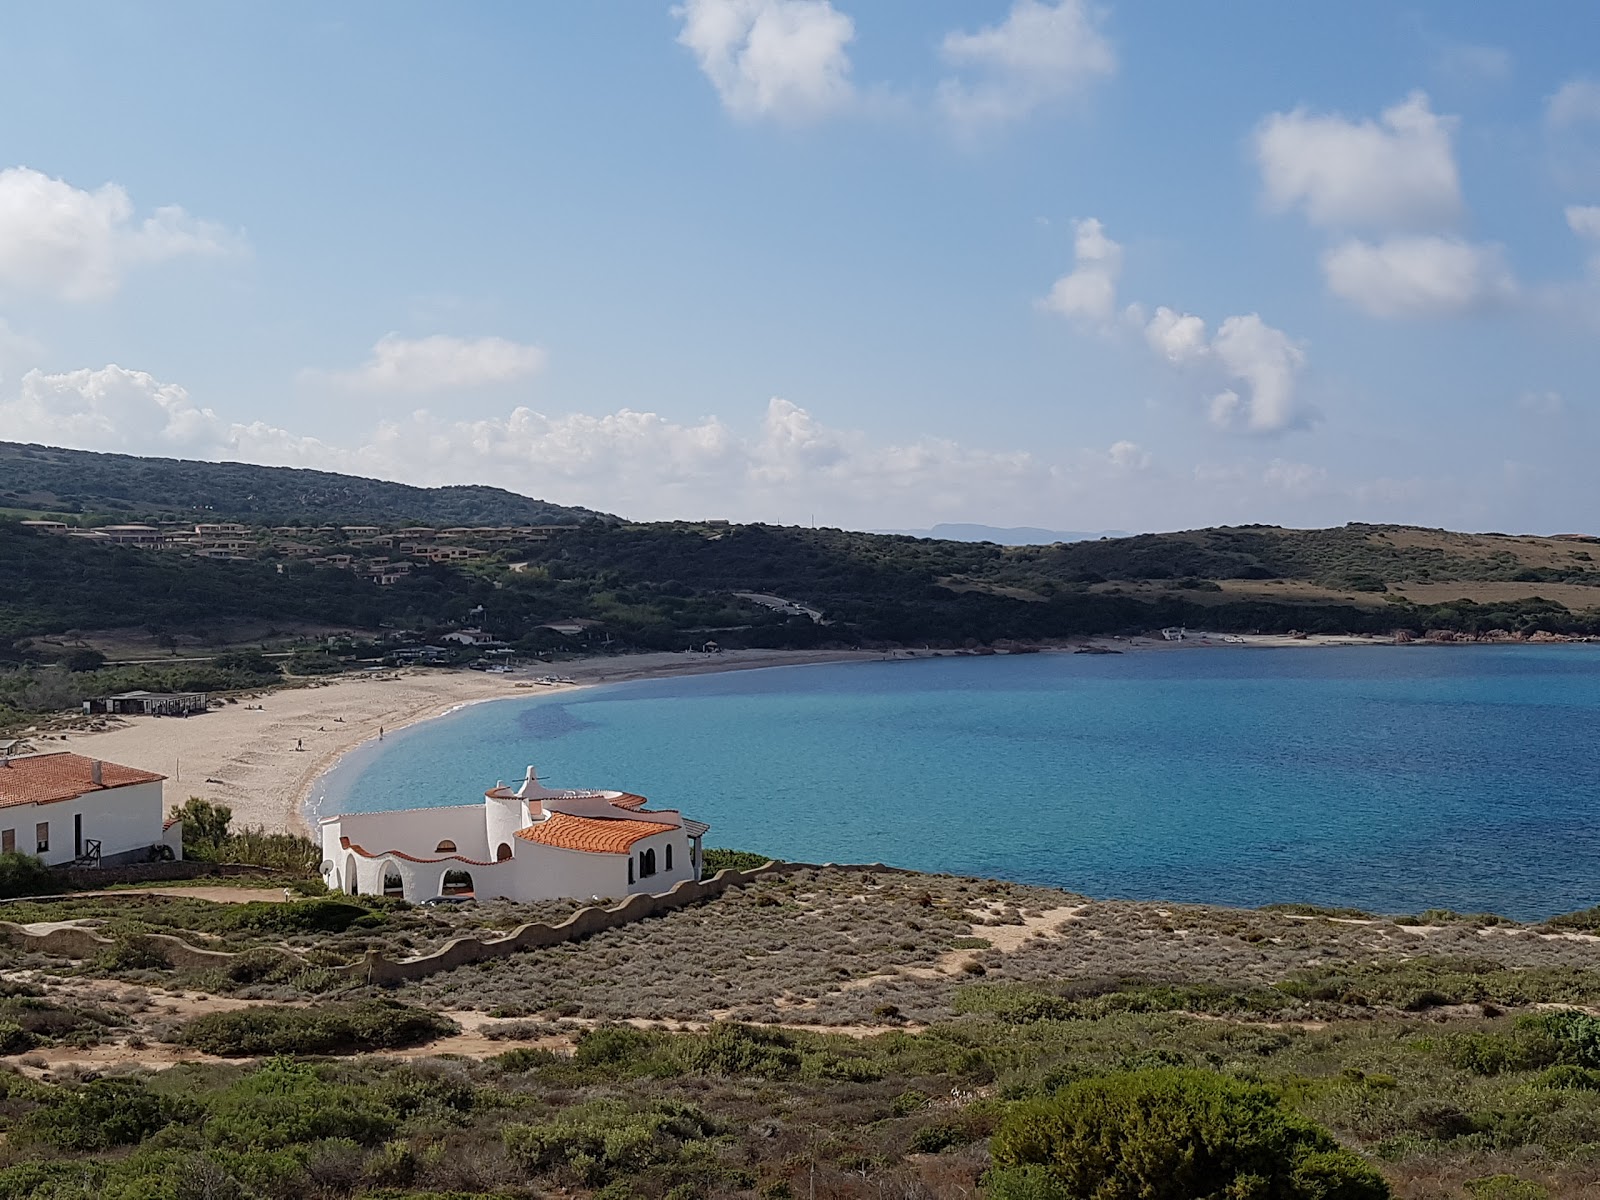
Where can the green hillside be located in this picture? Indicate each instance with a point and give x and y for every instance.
(47, 479)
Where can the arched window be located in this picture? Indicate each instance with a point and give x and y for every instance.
(445, 847)
(503, 853)
(669, 856)
(647, 863)
(630, 870)
(393, 883)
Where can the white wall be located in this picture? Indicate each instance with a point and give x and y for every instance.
(415, 830)
(123, 819)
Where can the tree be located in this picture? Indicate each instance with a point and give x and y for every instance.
(205, 825)
(1171, 1135)
(84, 659)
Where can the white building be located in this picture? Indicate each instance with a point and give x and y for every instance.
(528, 844)
(65, 807)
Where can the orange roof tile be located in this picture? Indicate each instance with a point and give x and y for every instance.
(47, 778)
(594, 835)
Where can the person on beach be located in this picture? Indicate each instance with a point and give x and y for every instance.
(299, 745)
(380, 733)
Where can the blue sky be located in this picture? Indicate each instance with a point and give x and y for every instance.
(1058, 264)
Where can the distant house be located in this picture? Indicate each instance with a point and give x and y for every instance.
(132, 535)
(46, 526)
(67, 808)
(148, 704)
(572, 626)
(471, 637)
(534, 843)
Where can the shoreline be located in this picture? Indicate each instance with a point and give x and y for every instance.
(265, 754)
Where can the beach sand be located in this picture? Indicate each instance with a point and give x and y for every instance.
(263, 762)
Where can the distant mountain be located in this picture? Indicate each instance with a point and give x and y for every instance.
(1020, 536)
(47, 479)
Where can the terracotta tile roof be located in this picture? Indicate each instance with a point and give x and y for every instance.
(595, 835)
(629, 800)
(47, 778)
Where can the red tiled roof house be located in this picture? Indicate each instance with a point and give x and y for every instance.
(533, 843)
(66, 807)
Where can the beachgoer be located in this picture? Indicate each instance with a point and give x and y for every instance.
(380, 733)
(298, 744)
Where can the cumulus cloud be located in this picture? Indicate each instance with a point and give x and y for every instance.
(1576, 102)
(1088, 292)
(1266, 360)
(1584, 220)
(1419, 276)
(441, 363)
(1127, 456)
(1259, 365)
(1396, 172)
(628, 461)
(785, 59)
(1040, 53)
(1180, 338)
(59, 240)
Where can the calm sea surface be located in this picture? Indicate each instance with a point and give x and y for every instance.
(1385, 778)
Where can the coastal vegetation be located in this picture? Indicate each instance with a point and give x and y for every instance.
(842, 1033)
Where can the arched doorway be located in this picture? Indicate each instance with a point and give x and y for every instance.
(351, 883)
(456, 883)
(394, 883)
(502, 854)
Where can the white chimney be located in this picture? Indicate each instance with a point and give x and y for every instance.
(95, 774)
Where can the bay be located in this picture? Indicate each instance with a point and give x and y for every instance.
(1392, 779)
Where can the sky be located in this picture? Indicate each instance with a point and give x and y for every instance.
(1045, 262)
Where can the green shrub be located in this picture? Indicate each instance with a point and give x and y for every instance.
(715, 859)
(1505, 1187)
(286, 1103)
(1171, 1135)
(744, 1050)
(14, 1039)
(354, 1028)
(25, 875)
(101, 1114)
(611, 1044)
(603, 1139)
(319, 915)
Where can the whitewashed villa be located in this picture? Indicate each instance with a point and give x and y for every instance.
(529, 844)
(68, 809)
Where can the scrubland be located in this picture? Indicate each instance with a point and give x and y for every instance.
(829, 1033)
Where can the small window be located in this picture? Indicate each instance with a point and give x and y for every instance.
(8, 841)
(630, 870)
(647, 863)
(445, 847)
(42, 836)
(503, 853)
(669, 856)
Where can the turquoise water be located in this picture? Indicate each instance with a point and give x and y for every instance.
(1386, 778)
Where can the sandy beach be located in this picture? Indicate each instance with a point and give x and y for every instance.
(263, 761)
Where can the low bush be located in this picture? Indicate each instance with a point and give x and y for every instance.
(100, 1115)
(25, 875)
(603, 1139)
(354, 1028)
(1171, 1135)
(715, 859)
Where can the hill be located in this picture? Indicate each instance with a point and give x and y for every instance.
(1024, 535)
(48, 479)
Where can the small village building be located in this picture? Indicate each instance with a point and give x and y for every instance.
(148, 704)
(571, 627)
(46, 526)
(533, 843)
(132, 535)
(67, 808)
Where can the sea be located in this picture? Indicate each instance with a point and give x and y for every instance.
(1391, 779)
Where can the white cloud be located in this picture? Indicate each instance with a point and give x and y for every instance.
(1245, 351)
(1397, 172)
(785, 59)
(1419, 276)
(1180, 338)
(58, 240)
(1089, 292)
(1269, 363)
(440, 363)
(1473, 64)
(1128, 456)
(1577, 102)
(1297, 478)
(1542, 404)
(1584, 220)
(1040, 53)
